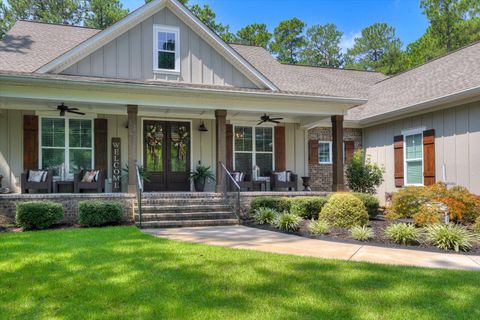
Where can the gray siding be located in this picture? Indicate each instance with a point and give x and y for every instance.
(130, 56)
(457, 144)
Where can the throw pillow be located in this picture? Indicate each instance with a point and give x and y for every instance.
(89, 176)
(282, 176)
(35, 176)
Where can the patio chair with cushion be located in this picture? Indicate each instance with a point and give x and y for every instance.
(89, 180)
(244, 180)
(40, 180)
(284, 180)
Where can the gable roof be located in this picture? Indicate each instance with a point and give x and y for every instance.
(296, 78)
(29, 45)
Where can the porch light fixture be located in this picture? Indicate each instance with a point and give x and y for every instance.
(202, 128)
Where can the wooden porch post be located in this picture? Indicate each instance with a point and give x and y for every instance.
(337, 153)
(221, 145)
(132, 146)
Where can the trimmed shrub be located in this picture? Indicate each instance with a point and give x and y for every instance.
(429, 213)
(362, 174)
(344, 210)
(288, 221)
(371, 203)
(307, 207)
(99, 213)
(450, 237)
(276, 203)
(403, 233)
(361, 233)
(265, 215)
(318, 227)
(469, 210)
(407, 202)
(38, 214)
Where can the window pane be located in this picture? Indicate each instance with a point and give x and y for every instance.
(52, 159)
(243, 162)
(414, 146)
(414, 172)
(263, 139)
(53, 132)
(324, 152)
(80, 160)
(265, 162)
(166, 60)
(80, 134)
(179, 146)
(243, 138)
(166, 41)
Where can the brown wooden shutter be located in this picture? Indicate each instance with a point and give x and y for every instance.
(398, 160)
(30, 142)
(280, 156)
(313, 151)
(429, 157)
(229, 144)
(349, 150)
(101, 144)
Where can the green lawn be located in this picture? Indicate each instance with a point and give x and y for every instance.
(120, 273)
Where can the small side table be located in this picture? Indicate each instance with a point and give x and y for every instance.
(259, 185)
(306, 184)
(69, 184)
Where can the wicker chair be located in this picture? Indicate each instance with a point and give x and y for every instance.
(79, 186)
(277, 185)
(46, 185)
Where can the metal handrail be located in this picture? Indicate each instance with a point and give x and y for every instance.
(227, 176)
(139, 185)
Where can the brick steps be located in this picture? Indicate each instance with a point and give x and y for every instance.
(171, 216)
(183, 209)
(189, 223)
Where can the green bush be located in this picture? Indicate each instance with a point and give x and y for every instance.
(288, 221)
(403, 233)
(344, 210)
(38, 214)
(265, 215)
(363, 175)
(99, 213)
(307, 207)
(278, 204)
(407, 202)
(318, 227)
(371, 203)
(449, 237)
(361, 233)
(476, 226)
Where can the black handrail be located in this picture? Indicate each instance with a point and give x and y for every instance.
(139, 185)
(228, 180)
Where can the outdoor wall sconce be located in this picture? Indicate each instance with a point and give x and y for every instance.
(202, 128)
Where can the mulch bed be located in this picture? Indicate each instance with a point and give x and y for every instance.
(343, 235)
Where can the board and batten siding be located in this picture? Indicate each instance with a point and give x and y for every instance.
(457, 145)
(130, 56)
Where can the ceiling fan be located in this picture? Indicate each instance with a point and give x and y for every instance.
(63, 108)
(266, 118)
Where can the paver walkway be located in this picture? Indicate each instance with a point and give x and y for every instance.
(269, 241)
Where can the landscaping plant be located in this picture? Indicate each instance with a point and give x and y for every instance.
(361, 233)
(407, 202)
(429, 213)
(371, 203)
(200, 176)
(265, 215)
(403, 233)
(287, 221)
(279, 204)
(449, 237)
(99, 213)
(307, 207)
(318, 227)
(363, 175)
(344, 210)
(476, 226)
(38, 214)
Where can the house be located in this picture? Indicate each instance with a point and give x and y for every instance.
(152, 80)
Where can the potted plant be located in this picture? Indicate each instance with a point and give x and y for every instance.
(144, 175)
(200, 176)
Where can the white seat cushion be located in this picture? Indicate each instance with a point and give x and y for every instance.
(37, 176)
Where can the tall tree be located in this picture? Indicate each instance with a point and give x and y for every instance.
(288, 40)
(6, 19)
(255, 34)
(378, 48)
(101, 14)
(323, 46)
(52, 11)
(208, 16)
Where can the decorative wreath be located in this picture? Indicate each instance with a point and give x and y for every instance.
(180, 141)
(154, 138)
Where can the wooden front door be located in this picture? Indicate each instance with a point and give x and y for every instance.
(166, 155)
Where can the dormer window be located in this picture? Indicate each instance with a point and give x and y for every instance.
(166, 55)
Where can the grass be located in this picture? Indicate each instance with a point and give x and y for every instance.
(120, 273)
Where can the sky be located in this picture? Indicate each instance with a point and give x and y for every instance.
(350, 16)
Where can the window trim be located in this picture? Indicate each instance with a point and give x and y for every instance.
(254, 144)
(330, 161)
(406, 133)
(170, 29)
(67, 142)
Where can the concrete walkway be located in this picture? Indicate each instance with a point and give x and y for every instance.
(269, 241)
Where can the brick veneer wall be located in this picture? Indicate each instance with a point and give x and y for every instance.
(69, 202)
(321, 174)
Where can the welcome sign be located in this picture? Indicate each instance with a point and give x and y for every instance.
(116, 165)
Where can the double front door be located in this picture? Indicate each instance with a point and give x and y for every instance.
(166, 155)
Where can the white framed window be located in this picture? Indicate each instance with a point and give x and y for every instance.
(66, 142)
(325, 152)
(253, 146)
(166, 49)
(413, 157)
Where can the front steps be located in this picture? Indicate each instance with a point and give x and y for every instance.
(180, 209)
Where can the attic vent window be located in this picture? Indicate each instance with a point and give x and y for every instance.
(166, 55)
